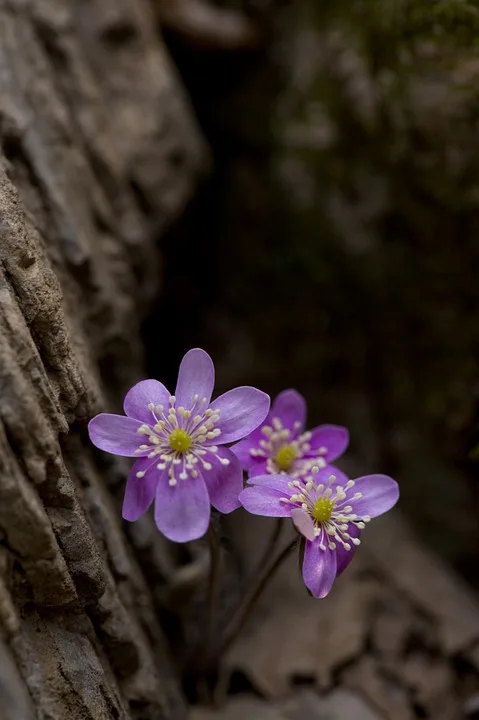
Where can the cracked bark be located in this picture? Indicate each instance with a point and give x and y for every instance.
(99, 156)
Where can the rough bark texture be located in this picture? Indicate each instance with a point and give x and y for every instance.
(100, 154)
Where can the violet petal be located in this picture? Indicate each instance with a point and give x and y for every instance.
(141, 395)
(140, 492)
(279, 482)
(303, 523)
(259, 468)
(334, 438)
(224, 482)
(344, 557)
(242, 410)
(319, 569)
(322, 477)
(264, 501)
(379, 494)
(182, 512)
(116, 434)
(242, 452)
(196, 376)
(290, 407)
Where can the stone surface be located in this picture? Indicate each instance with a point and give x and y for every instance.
(398, 628)
(302, 705)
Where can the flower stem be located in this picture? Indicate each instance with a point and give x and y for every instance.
(213, 584)
(269, 549)
(236, 623)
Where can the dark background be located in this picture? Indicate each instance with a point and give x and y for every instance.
(334, 247)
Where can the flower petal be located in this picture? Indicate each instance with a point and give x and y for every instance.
(280, 483)
(182, 512)
(242, 410)
(322, 477)
(259, 468)
(140, 492)
(242, 452)
(290, 407)
(319, 569)
(141, 395)
(264, 501)
(196, 376)
(379, 494)
(334, 438)
(116, 434)
(344, 557)
(303, 523)
(224, 482)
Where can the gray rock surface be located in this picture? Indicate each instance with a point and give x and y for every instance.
(302, 705)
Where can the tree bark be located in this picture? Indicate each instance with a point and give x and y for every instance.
(99, 155)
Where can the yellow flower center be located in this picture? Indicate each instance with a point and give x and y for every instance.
(322, 510)
(285, 457)
(179, 441)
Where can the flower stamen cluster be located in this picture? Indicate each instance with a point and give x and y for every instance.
(329, 509)
(281, 449)
(282, 445)
(176, 438)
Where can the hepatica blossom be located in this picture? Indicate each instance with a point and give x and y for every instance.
(328, 510)
(178, 442)
(281, 444)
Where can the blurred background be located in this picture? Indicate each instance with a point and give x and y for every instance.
(333, 248)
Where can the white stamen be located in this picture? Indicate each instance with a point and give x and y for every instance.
(144, 430)
(140, 474)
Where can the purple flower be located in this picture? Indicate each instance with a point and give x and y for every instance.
(328, 510)
(178, 440)
(282, 446)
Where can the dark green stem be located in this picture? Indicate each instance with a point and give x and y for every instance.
(213, 586)
(238, 620)
(270, 547)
